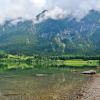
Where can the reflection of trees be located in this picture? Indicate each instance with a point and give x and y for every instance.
(3, 66)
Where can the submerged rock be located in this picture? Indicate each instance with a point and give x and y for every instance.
(40, 75)
(91, 72)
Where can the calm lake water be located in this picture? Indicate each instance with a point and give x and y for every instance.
(38, 83)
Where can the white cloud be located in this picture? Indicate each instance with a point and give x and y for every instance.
(11, 9)
(56, 13)
(76, 8)
(57, 8)
(38, 3)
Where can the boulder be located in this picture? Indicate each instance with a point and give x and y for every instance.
(91, 72)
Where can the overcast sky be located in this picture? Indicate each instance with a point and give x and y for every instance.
(57, 8)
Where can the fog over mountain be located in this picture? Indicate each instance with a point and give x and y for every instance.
(28, 9)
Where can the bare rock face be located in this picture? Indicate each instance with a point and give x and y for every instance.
(91, 72)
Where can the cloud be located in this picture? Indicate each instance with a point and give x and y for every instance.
(27, 9)
(57, 9)
(38, 3)
(56, 13)
(76, 8)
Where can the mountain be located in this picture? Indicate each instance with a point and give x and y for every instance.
(62, 36)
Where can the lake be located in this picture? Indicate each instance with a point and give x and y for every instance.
(27, 83)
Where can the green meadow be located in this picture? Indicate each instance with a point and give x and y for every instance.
(79, 62)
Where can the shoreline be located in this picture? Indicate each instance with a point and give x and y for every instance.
(90, 90)
(79, 91)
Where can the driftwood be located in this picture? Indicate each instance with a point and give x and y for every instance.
(91, 72)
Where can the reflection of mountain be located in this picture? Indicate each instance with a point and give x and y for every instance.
(50, 36)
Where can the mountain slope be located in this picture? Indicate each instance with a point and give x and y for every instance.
(52, 36)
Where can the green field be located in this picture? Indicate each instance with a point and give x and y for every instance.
(79, 62)
(21, 61)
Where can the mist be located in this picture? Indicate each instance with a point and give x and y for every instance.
(57, 9)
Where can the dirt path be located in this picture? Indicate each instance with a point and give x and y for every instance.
(92, 91)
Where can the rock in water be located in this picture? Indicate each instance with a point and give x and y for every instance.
(91, 72)
(40, 75)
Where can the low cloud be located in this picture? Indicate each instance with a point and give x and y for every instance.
(57, 9)
(75, 8)
(56, 13)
